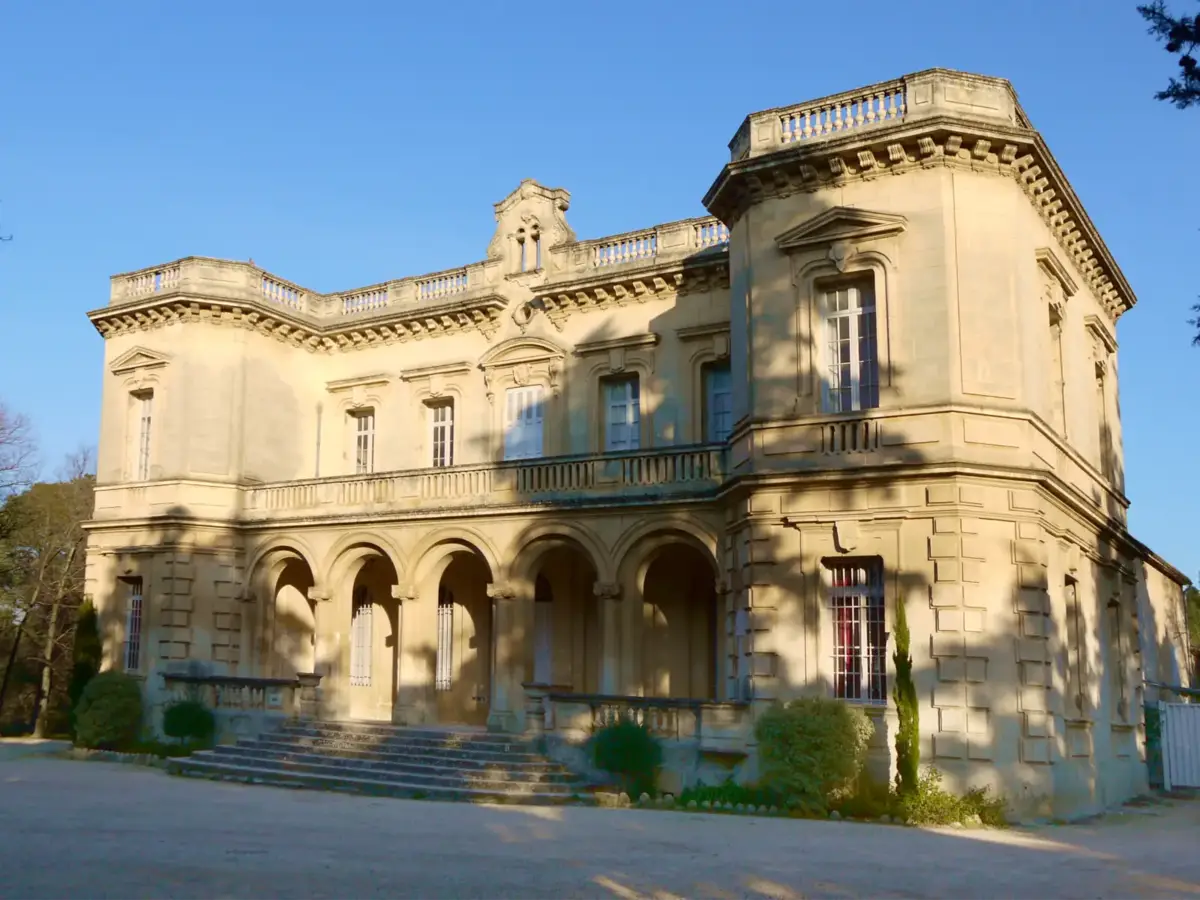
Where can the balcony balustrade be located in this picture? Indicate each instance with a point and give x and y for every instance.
(696, 470)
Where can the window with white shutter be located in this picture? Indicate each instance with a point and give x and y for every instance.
(441, 432)
(143, 406)
(364, 441)
(718, 403)
(851, 355)
(360, 639)
(622, 414)
(523, 423)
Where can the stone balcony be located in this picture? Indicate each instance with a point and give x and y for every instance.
(670, 473)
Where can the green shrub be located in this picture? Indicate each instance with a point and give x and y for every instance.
(732, 792)
(868, 799)
(908, 732)
(630, 752)
(930, 803)
(109, 714)
(189, 721)
(991, 810)
(812, 750)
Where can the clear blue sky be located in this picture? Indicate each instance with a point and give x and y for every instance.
(341, 144)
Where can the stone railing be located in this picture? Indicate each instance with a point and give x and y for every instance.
(670, 471)
(667, 243)
(366, 300)
(443, 284)
(922, 94)
(713, 725)
(244, 705)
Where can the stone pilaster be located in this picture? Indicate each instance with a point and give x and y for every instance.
(755, 611)
(176, 608)
(227, 619)
(957, 553)
(512, 617)
(612, 648)
(1035, 706)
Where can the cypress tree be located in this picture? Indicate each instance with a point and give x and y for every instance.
(86, 653)
(904, 692)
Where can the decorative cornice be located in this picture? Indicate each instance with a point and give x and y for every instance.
(1049, 263)
(138, 358)
(390, 325)
(1099, 330)
(842, 223)
(700, 332)
(632, 342)
(456, 368)
(622, 286)
(362, 381)
(1010, 151)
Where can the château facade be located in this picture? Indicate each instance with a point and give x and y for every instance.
(688, 470)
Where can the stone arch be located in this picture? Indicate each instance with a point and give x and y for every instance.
(435, 548)
(533, 542)
(636, 548)
(292, 543)
(353, 548)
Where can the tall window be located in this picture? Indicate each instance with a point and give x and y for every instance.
(145, 407)
(1116, 661)
(1102, 423)
(445, 640)
(718, 402)
(441, 432)
(1058, 379)
(133, 623)
(851, 354)
(360, 639)
(543, 630)
(523, 423)
(1076, 643)
(364, 441)
(622, 413)
(859, 635)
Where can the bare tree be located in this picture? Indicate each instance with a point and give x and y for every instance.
(18, 452)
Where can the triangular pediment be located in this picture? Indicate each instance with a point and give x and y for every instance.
(521, 350)
(138, 358)
(841, 224)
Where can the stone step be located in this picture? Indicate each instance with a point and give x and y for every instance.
(211, 767)
(265, 751)
(398, 745)
(383, 730)
(445, 778)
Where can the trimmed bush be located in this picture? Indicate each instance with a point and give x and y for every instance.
(189, 721)
(731, 792)
(812, 750)
(931, 804)
(109, 714)
(630, 752)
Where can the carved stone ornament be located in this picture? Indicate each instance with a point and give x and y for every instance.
(840, 254)
(501, 591)
(522, 315)
(520, 374)
(607, 590)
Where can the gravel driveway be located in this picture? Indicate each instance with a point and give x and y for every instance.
(91, 829)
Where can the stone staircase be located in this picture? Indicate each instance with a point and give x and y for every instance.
(388, 760)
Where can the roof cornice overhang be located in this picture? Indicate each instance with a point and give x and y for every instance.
(937, 141)
(607, 287)
(388, 325)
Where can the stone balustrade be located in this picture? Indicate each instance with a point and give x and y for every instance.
(243, 281)
(711, 725)
(920, 95)
(670, 471)
(245, 705)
